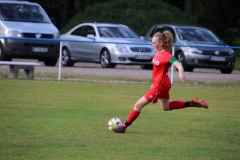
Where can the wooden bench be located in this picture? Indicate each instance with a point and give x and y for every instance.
(14, 68)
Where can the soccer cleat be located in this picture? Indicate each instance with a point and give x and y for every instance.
(199, 103)
(119, 129)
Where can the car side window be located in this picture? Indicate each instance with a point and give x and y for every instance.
(88, 30)
(78, 31)
(157, 29)
(162, 29)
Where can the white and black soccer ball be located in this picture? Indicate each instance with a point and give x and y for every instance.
(114, 123)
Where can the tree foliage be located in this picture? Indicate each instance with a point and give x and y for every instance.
(138, 15)
(62, 10)
(222, 17)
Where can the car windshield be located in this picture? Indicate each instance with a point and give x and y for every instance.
(22, 13)
(196, 34)
(116, 32)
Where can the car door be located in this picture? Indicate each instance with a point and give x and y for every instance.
(87, 46)
(83, 50)
(74, 35)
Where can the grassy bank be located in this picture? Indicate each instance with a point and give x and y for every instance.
(237, 65)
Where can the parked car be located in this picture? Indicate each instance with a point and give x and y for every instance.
(26, 31)
(206, 50)
(108, 44)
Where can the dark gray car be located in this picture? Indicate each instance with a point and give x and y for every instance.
(205, 49)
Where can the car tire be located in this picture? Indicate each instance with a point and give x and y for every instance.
(3, 57)
(147, 66)
(226, 71)
(50, 62)
(66, 57)
(105, 59)
(181, 58)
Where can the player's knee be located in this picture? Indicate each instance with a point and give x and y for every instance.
(165, 109)
(138, 107)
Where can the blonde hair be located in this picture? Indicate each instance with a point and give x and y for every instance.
(166, 37)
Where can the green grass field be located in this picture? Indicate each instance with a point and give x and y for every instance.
(68, 120)
(237, 65)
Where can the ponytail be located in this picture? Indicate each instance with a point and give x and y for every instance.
(166, 37)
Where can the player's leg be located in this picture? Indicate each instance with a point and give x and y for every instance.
(176, 104)
(164, 103)
(140, 104)
(133, 115)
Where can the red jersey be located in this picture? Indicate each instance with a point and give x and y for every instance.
(161, 82)
(161, 64)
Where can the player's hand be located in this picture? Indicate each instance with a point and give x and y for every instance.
(182, 77)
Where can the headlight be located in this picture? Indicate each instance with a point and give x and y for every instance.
(191, 50)
(56, 35)
(231, 52)
(10, 33)
(121, 48)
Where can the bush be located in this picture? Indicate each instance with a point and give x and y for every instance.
(138, 15)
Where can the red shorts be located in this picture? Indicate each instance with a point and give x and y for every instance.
(152, 96)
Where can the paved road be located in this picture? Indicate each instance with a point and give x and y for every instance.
(135, 71)
(206, 75)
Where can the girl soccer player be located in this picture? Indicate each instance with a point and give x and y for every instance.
(162, 42)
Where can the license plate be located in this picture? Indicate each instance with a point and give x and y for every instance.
(217, 58)
(39, 49)
(143, 57)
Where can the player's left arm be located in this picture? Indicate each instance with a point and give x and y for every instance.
(179, 67)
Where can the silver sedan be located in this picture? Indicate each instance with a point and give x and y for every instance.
(108, 44)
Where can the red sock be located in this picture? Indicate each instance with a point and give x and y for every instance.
(131, 117)
(176, 105)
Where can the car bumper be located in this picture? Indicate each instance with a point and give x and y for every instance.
(207, 61)
(128, 60)
(137, 58)
(31, 49)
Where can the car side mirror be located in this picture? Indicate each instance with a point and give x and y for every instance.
(222, 41)
(91, 36)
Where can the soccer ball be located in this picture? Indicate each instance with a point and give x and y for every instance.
(114, 123)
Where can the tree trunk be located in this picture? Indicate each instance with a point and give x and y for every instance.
(190, 7)
(64, 12)
(77, 4)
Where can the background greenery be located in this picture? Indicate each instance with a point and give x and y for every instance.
(139, 15)
(237, 64)
(68, 120)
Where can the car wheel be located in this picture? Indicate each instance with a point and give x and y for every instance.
(181, 59)
(226, 71)
(66, 58)
(3, 57)
(50, 62)
(105, 59)
(147, 66)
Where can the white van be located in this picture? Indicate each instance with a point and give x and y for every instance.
(26, 31)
